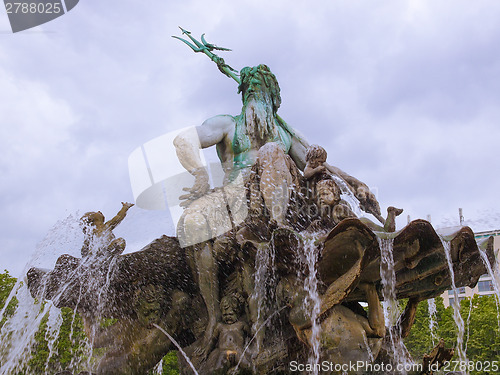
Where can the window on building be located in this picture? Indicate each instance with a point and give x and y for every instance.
(460, 290)
(485, 286)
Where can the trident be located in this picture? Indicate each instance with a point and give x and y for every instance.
(207, 49)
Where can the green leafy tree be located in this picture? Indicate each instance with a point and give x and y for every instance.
(67, 346)
(447, 329)
(7, 282)
(483, 343)
(170, 364)
(420, 339)
(482, 330)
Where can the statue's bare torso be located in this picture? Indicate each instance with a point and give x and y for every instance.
(220, 131)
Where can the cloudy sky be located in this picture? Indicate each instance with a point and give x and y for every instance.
(404, 95)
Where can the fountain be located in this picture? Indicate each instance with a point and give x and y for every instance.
(269, 273)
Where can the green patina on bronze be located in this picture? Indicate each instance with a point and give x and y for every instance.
(242, 145)
(257, 81)
(230, 72)
(252, 79)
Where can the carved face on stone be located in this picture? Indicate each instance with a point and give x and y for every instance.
(229, 307)
(147, 305)
(328, 194)
(257, 80)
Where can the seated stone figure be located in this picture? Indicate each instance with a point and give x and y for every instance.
(99, 234)
(230, 336)
(346, 331)
(330, 203)
(332, 209)
(326, 193)
(315, 159)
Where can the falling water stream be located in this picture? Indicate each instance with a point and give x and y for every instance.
(313, 301)
(158, 370)
(390, 304)
(462, 357)
(348, 196)
(18, 332)
(54, 323)
(17, 335)
(431, 303)
(255, 335)
(468, 325)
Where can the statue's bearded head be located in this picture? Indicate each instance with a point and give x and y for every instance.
(261, 100)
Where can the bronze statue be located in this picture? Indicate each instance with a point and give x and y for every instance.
(99, 234)
(256, 136)
(277, 218)
(231, 336)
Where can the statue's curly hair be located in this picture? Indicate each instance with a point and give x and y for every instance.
(254, 77)
(315, 152)
(328, 183)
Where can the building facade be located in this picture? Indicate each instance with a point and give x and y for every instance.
(485, 285)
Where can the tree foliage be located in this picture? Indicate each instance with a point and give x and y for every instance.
(7, 282)
(63, 351)
(169, 364)
(482, 329)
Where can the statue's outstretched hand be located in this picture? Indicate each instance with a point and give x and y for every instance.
(200, 188)
(127, 205)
